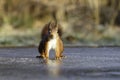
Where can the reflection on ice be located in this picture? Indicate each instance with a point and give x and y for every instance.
(53, 67)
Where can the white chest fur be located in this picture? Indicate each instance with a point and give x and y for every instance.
(52, 44)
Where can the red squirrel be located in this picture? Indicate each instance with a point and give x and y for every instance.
(51, 39)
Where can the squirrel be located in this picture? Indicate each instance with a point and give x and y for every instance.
(51, 39)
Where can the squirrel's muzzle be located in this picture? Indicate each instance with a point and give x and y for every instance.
(51, 36)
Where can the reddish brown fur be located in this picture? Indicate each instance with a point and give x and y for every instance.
(49, 33)
(45, 30)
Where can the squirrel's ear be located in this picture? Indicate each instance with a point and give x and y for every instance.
(49, 25)
(56, 26)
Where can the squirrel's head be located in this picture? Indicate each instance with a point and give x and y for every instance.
(53, 29)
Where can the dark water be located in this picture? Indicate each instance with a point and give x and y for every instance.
(80, 64)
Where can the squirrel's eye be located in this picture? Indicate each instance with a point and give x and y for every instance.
(49, 30)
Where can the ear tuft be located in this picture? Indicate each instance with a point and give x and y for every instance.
(50, 25)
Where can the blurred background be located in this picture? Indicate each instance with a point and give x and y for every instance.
(84, 22)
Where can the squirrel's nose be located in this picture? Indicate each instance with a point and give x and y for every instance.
(51, 36)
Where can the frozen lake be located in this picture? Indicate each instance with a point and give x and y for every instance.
(81, 64)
